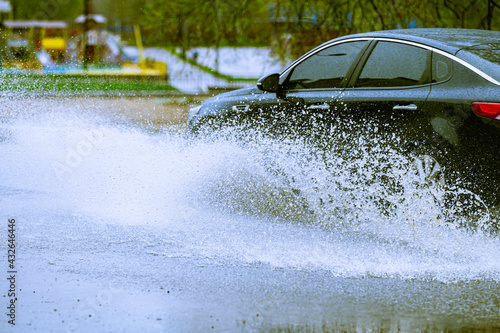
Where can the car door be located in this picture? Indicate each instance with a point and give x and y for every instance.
(388, 89)
(310, 87)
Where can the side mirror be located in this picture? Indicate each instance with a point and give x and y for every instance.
(270, 83)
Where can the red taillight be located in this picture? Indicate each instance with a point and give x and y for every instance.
(489, 110)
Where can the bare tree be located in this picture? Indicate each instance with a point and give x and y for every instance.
(489, 15)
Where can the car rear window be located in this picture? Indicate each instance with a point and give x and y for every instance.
(485, 57)
(490, 52)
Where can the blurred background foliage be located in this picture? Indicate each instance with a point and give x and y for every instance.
(290, 26)
(46, 9)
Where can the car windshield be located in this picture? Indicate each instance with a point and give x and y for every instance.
(485, 57)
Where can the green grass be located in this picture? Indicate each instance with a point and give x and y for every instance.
(80, 84)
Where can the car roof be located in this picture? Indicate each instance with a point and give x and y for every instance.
(449, 40)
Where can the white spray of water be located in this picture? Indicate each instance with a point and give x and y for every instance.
(277, 202)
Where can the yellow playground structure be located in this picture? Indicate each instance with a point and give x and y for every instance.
(54, 47)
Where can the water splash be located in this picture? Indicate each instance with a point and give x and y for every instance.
(352, 210)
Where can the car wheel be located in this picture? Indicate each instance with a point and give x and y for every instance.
(428, 164)
(460, 205)
(429, 170)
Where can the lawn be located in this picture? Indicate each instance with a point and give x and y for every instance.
(81, 85)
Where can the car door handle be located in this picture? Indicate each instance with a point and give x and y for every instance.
(409, 107)
(323, 106)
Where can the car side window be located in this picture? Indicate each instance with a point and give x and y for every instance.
(441, 67)
(326, 68)
(395, 65)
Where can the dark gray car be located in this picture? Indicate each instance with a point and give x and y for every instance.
(439, 89)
